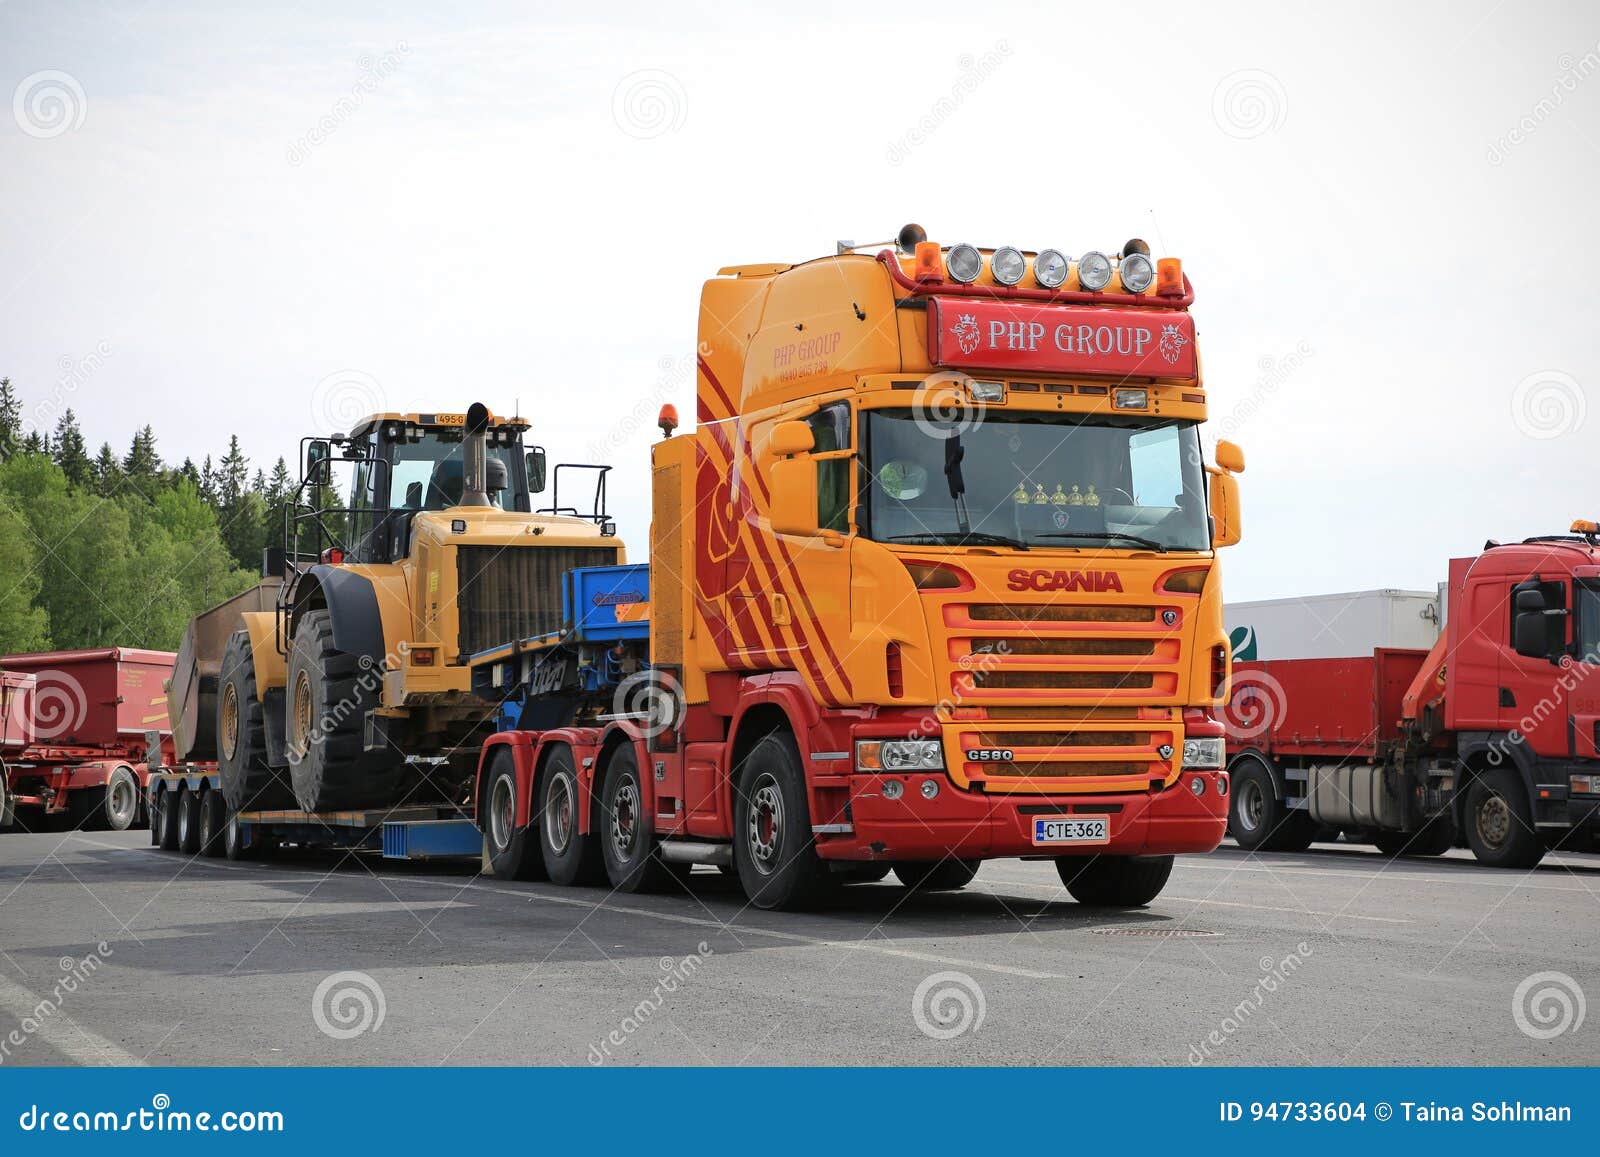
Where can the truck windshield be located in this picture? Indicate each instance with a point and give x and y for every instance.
(1034, 479)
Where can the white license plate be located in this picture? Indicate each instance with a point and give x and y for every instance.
(1071, 830)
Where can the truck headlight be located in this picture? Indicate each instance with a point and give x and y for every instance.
(899, 755)
(1202, 754)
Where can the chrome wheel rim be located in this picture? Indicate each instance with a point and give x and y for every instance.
(560, 813)
(183, 817)
(121, 799)
(502, 811)
(1251, 804)
(1493, 821)
(625, 818)
(764, 828)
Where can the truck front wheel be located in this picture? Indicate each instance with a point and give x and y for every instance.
(513, 851)
(1500, 828)
(773, 847)
(938, 875)
(1114, 881)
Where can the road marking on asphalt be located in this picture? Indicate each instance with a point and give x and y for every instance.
(1056, 888)
(79, 1045)
(1467, 877)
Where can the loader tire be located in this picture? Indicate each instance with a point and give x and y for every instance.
(329, 695)
(248, 783)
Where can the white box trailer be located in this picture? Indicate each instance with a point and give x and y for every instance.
(1336, 626)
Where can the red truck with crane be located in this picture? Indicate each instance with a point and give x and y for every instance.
(1491, 738)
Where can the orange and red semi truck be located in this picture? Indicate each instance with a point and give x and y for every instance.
(75, 735)
(932, 581)
(1490, 739)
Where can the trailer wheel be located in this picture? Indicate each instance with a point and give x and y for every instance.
(513, 851)
(122, 800)
(627, 835)
(570, 856)
(330, 693)
(773, 846)
(213, 821)
(1499, 822)
(936, 876)
(233, 841)
(189, 821)
(1114, 881)
(167, 808)
(248, 781)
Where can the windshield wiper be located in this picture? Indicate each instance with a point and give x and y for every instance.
(959, 538)
(1149, 543)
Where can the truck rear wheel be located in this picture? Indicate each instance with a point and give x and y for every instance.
(627, 835)
(248, 782)
(773, 846)
(570, 856)
(1114, 881)
(1434, 840)
(1257, 818)
(513, 851)
(1499, 822)
(936, 875)
(330, 693)
(121, 808)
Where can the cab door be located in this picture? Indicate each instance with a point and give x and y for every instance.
(1533, 690)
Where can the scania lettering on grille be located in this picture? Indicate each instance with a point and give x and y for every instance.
(990, 755)
(1064, 580)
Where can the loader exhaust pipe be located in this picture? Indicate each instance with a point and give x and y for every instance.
(475, 489)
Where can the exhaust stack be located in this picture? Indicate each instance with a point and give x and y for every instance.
(474, 490)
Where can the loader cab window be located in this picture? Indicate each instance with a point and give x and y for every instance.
(430, 474)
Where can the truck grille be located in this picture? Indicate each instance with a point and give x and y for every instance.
(506, 593)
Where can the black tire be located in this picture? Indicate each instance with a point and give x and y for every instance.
(233, 841)
(86, 810)
(329, 695)
(1257, 818)
(213, 821)
(189, 805)
(120, 809)
(167, 810)
(626, 829)
(1114, 881)
(570, 856)
(1435, 839)
(513, 851)
(936, 875)
(7, 817)
(1499, 822)
(863, 873)
(248, 782)
(773, 846)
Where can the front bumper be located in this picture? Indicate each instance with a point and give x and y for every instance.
(976, 825)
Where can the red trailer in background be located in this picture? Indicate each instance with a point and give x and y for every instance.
(74, 735)
(1491, 739)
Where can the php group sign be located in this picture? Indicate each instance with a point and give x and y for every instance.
(1029, 337)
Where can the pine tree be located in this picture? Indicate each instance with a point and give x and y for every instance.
(10, 420)
(143, 464)
(34, 444)
(235, 475)
(70, 452)
(107, 470)
(208, 483)
(189, 473)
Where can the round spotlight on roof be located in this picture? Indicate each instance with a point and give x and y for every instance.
(1138, 271)
(964, 263)
(1094, 271)
(1008, 265)
(1050, 268)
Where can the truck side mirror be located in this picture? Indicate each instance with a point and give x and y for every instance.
(1230, 457)
(1226, 528)
(536, 470)
(319, 462)
(794, 479)
(1533, 628)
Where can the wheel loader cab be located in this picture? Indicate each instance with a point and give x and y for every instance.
(404, 466)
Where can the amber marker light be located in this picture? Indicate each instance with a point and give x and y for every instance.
(1169, 277)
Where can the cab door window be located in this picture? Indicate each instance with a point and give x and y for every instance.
(830, 434)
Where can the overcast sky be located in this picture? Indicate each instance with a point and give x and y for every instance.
(223, 219)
